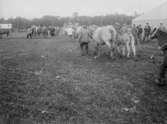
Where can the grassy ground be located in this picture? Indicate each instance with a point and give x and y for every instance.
(46, 81)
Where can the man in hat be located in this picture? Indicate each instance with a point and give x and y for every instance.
(139, 32)
(134, 32)
(147, 30)
(83, 39)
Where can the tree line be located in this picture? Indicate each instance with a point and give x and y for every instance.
(22, 23)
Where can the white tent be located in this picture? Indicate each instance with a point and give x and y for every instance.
(154, 17)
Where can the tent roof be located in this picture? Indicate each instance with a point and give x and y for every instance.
(155, 14)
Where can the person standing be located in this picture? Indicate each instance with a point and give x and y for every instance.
(134, 32)
(83, 39)
(29, 33)
(139, 32)
(147, 30)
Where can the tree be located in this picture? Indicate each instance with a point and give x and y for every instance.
(23, 23)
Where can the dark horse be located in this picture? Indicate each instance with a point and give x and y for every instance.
(161, 36)
(2, 32)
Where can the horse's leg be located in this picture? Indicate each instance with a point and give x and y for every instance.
(82, 48)
(28, 35)
(48, 33)
(40, 33)
(31, 35)
(43, 35)
(118, 50)
(7, 34)
(86, 48)
(138, 39)
(35, 33)
(111, 48)
(123, 51)
(97, 52)
(144, 37)
(132, 44)
(128, 49)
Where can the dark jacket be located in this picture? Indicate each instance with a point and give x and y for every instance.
(147, 29)
(139, 30)
(162, 39)
(83, 36)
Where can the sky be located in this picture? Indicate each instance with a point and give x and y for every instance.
(38, 8)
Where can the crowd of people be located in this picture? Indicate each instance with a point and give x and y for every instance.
(127, 34)
(36, 31)
(142, 34)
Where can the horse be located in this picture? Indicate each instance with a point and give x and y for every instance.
(161, 36)
(104, 35)
(91, 30)
(69, 31)
(32, 31)
(2, 32)
(126, 42)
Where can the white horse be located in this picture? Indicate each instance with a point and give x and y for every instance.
(105, 35)
(126, 42)
(92, 29)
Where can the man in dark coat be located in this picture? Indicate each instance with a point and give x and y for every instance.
(29, 33)
(83, 40)
(161, 35)
(147, 30)
(139, 32)
(134, 32)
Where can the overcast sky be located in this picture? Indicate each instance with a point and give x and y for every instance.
(38, 8)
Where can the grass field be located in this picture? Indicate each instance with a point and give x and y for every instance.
(46, 81)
